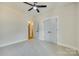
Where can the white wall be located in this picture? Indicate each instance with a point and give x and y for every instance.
(67, 16)
(11, 24)
(77, 31)
(67, 23)
(14, 19)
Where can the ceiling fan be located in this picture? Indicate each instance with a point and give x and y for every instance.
(35, 6)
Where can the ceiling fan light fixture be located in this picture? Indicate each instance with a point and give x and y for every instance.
(34, 7)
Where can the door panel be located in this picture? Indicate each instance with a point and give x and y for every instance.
(50, 29)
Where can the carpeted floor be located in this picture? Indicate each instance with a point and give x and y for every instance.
(34, 48)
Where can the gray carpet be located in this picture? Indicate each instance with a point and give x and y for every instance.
(29, 48)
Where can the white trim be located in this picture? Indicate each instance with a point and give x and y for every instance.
(7, 44)
(58, 30)
(47, 18)
(68, 46)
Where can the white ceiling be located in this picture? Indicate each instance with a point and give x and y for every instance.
(24, 7)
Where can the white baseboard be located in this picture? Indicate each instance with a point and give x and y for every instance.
(7, 44)
(65, 45)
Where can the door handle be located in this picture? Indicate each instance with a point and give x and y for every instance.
(49, 32)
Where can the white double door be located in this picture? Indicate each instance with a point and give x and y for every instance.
(50, 29)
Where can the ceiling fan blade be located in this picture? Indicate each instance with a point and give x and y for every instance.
(30, 9)
(40, 6)
(28, 3)
(37, 10)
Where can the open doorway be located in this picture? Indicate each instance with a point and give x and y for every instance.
(30, 30)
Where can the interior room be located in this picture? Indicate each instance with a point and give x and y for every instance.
(39, 28)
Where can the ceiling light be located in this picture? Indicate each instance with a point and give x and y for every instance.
(34, 7)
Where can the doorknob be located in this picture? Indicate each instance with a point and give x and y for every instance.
(49, 32)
